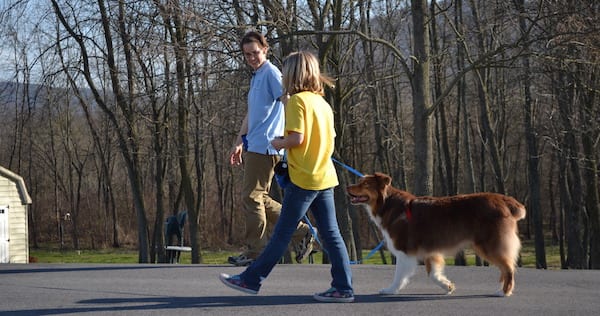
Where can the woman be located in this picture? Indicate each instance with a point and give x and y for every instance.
(309, 141)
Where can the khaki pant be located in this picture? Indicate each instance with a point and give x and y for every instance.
(260, 209)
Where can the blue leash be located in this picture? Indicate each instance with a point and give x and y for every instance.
(371, 253)
(314, 232)
(348, 167)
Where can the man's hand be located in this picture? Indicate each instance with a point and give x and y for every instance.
(235, 157)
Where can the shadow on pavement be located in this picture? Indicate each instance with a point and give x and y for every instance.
(174, 303)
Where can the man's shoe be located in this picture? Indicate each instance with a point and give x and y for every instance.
(305, 247)
(334, 296)
(240, 260)
(232, 259)
(236, 283)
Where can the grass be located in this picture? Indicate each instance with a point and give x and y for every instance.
(49, 255)
(123, 256)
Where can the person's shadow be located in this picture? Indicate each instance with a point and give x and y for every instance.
(179, 303)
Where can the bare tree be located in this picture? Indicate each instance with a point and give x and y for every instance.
(421, 98)
(534, 207)
(126, 133)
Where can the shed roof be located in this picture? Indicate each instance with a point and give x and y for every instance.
(25, 198)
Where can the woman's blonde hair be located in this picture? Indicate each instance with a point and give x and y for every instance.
(301, 72)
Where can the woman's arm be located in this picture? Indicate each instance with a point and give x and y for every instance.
(292, 140)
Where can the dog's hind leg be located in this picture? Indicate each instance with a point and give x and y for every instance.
(507, 275)
(504, 256)
(405, 268)
(434, 265)
(508, 280)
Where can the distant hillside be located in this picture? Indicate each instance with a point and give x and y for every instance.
(11, 91)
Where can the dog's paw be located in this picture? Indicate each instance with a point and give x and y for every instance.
(500, 293)
(388, 291)
(450, 289)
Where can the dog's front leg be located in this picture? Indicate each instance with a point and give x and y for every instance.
(405, 268)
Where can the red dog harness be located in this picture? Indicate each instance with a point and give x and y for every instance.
(408, 212)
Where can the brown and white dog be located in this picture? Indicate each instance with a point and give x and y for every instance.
(429, 228)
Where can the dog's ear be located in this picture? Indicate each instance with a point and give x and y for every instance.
(383, 179)
(383, 182)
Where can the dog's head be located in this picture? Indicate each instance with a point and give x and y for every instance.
(371, 190)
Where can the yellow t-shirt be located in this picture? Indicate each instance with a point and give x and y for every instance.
(309, 164)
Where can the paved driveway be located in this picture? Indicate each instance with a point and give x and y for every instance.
(86, 289)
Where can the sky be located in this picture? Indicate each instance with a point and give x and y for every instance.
(5, 66)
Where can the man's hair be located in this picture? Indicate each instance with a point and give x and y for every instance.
(254, 37)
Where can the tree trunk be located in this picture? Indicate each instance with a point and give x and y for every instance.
(423, 136)
(590, 137)
(181, 64)
(574, 212)
(482, 79)
(535, 208)
(445, 158)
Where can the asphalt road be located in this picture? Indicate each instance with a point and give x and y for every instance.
(86, 289)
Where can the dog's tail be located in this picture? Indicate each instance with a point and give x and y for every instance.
(516, 208)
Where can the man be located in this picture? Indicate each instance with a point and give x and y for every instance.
(264, 121)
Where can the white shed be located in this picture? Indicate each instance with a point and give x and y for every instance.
(14, 207)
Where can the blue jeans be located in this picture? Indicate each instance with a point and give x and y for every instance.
(296, 202)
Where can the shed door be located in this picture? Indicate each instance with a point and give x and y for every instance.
(4, 235)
